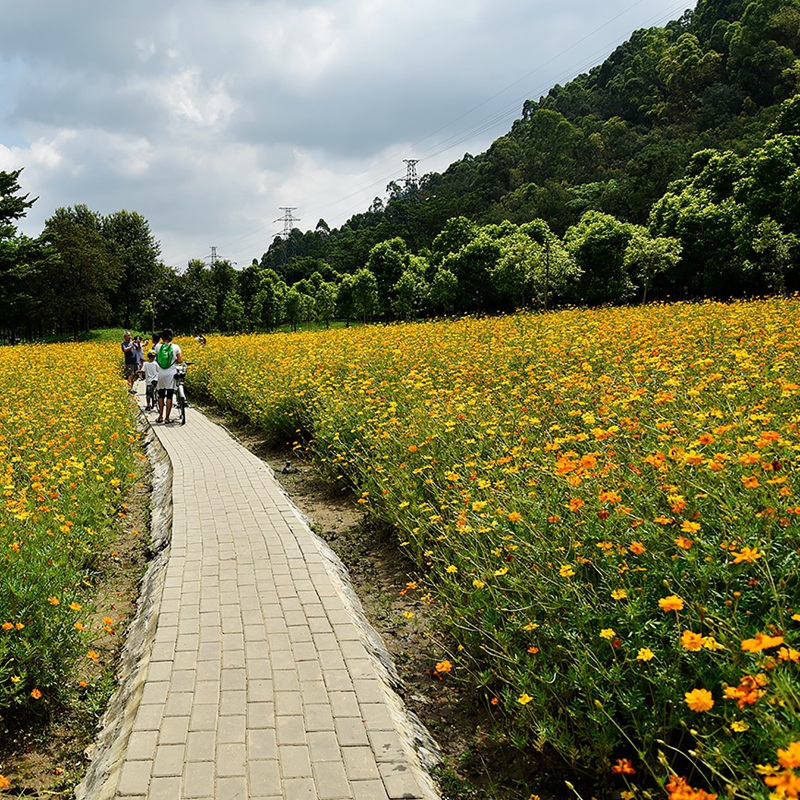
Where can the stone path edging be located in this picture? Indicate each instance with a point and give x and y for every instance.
(148, 745)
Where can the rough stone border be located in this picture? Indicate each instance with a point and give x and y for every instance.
(107, 754)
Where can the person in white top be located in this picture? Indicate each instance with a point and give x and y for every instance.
(150, 375)
(168, 355)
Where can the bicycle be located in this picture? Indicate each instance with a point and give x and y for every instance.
(180, 390)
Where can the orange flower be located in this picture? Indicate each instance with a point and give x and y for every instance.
(790, 757)
(679, 789)
(747, 692)
(444, 666)
(5, 783)
(692, 641)
(746, 554)
(514, 516)
(671, 603)
(690, 527)
(94, 656)
(623, 766)
(789, 654)
(699, 700)
(760, 642)
(684, 543)
(36, 694)
(637, 548)
(786, 784)
(575, 504)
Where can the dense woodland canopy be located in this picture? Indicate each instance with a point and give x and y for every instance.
(671, 170)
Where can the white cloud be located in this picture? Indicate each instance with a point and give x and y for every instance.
(207, 116)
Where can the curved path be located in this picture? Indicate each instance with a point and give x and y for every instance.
(262, 679)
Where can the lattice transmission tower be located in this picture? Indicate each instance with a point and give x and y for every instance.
(287, 219)
(411, 174)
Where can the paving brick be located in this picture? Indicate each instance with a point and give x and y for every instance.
(198, 780)
(264, 777)
(259, 685)
(135, 778)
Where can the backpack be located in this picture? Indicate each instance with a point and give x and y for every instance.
(164, 356)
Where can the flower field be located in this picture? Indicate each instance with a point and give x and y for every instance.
(603, 506)
(66, 458)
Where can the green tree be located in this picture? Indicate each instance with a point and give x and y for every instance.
(13, 206)
(293, 307)
(131, 241)
(21, 260)
(647, 256)
(443, 295)
(775, 250)
(325, 302)
(79, 282)
(365, 294)
(346, 298)
(597, 243)
(387, 262)
(234, 317)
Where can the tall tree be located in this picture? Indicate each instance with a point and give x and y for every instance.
(78, 284)
(133, 244)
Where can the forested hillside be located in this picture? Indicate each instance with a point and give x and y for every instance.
(671, 170)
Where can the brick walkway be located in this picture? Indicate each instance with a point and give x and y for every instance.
(260, 681)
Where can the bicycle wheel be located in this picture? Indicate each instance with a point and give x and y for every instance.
(182, 403)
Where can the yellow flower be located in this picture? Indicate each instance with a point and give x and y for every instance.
(408, 614)
(451, 569)
(478, 584)
(645, 654)
(690, 527)
(739, 726)
(699, 700)
(619, 594)
(566, 571)
(524, 699)
(607, 633)
(76, 606)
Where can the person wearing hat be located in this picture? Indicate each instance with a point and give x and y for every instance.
(150, 375)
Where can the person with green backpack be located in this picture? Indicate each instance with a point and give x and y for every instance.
(168, 355)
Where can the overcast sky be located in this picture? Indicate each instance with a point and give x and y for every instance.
(209, 116)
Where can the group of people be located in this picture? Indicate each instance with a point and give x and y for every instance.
(158, 370)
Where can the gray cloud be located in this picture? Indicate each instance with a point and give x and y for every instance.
(207, 116)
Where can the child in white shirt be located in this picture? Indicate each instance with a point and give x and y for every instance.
(150, 375)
